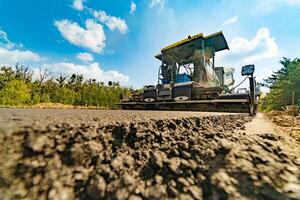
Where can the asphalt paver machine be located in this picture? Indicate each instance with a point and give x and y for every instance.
(188, 80)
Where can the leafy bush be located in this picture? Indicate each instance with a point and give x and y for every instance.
(15, 92)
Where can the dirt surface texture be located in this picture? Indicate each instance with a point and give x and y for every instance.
(286, 122)
(94, 154)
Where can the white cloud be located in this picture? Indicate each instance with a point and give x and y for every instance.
(160, 3)
(110, 21)
(10, 55)
(78, 4)
(262, 46)
(244, 51)
(5, 42)
(231, 20)
(85, 57)
(91, 70)
(265, 72)
(92, 37)
(261, 50)
(132, 8)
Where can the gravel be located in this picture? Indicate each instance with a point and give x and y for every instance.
(92, 154)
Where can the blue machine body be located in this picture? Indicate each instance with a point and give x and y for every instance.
(181, 78)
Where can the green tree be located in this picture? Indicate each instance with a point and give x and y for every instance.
(281, 84)
(6, 74)
(17, 88)
(16, 92)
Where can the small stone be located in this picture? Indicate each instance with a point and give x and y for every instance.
(78, 176)
(82, 153)
(193, 164)
(128, 179)
(122, 194)
(36, 179)
(37, 144)
(157, 191)
(196, 192)
(66, 193)
(158, 179)
(185, 163)
(158, 158)
(140, 187)
(174, 152)
(96, 188)
(174, 164)
(63, 193)
(141, 134)
(226, 145)
(185, 197)
(197, 150)
(165, 146)
(117, 162)
(292, 188)
(183, 181)
(128, 161)
(185, 154)
(134, 197)
(172, 183)
(200, 177)
(191, 180)
(172, 126)
(292, 169)
(297, 161)
(60, 148)
(184, 145)
(172, 192)
(156, 145)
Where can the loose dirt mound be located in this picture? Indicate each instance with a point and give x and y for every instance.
(185, 158)
(284, 121)
(52, 106)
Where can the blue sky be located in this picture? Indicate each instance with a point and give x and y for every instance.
(117, 39)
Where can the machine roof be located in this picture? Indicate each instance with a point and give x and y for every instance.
(185, 48)
(216, 41)
(184, 41)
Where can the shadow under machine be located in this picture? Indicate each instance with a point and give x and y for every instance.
(189, 80)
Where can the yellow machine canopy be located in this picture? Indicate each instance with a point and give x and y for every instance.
(181, 52)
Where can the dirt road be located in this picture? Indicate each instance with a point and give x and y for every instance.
(12, 119)
(92, 154)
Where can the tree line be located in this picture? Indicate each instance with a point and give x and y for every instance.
(17, 88)
(281, 84)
